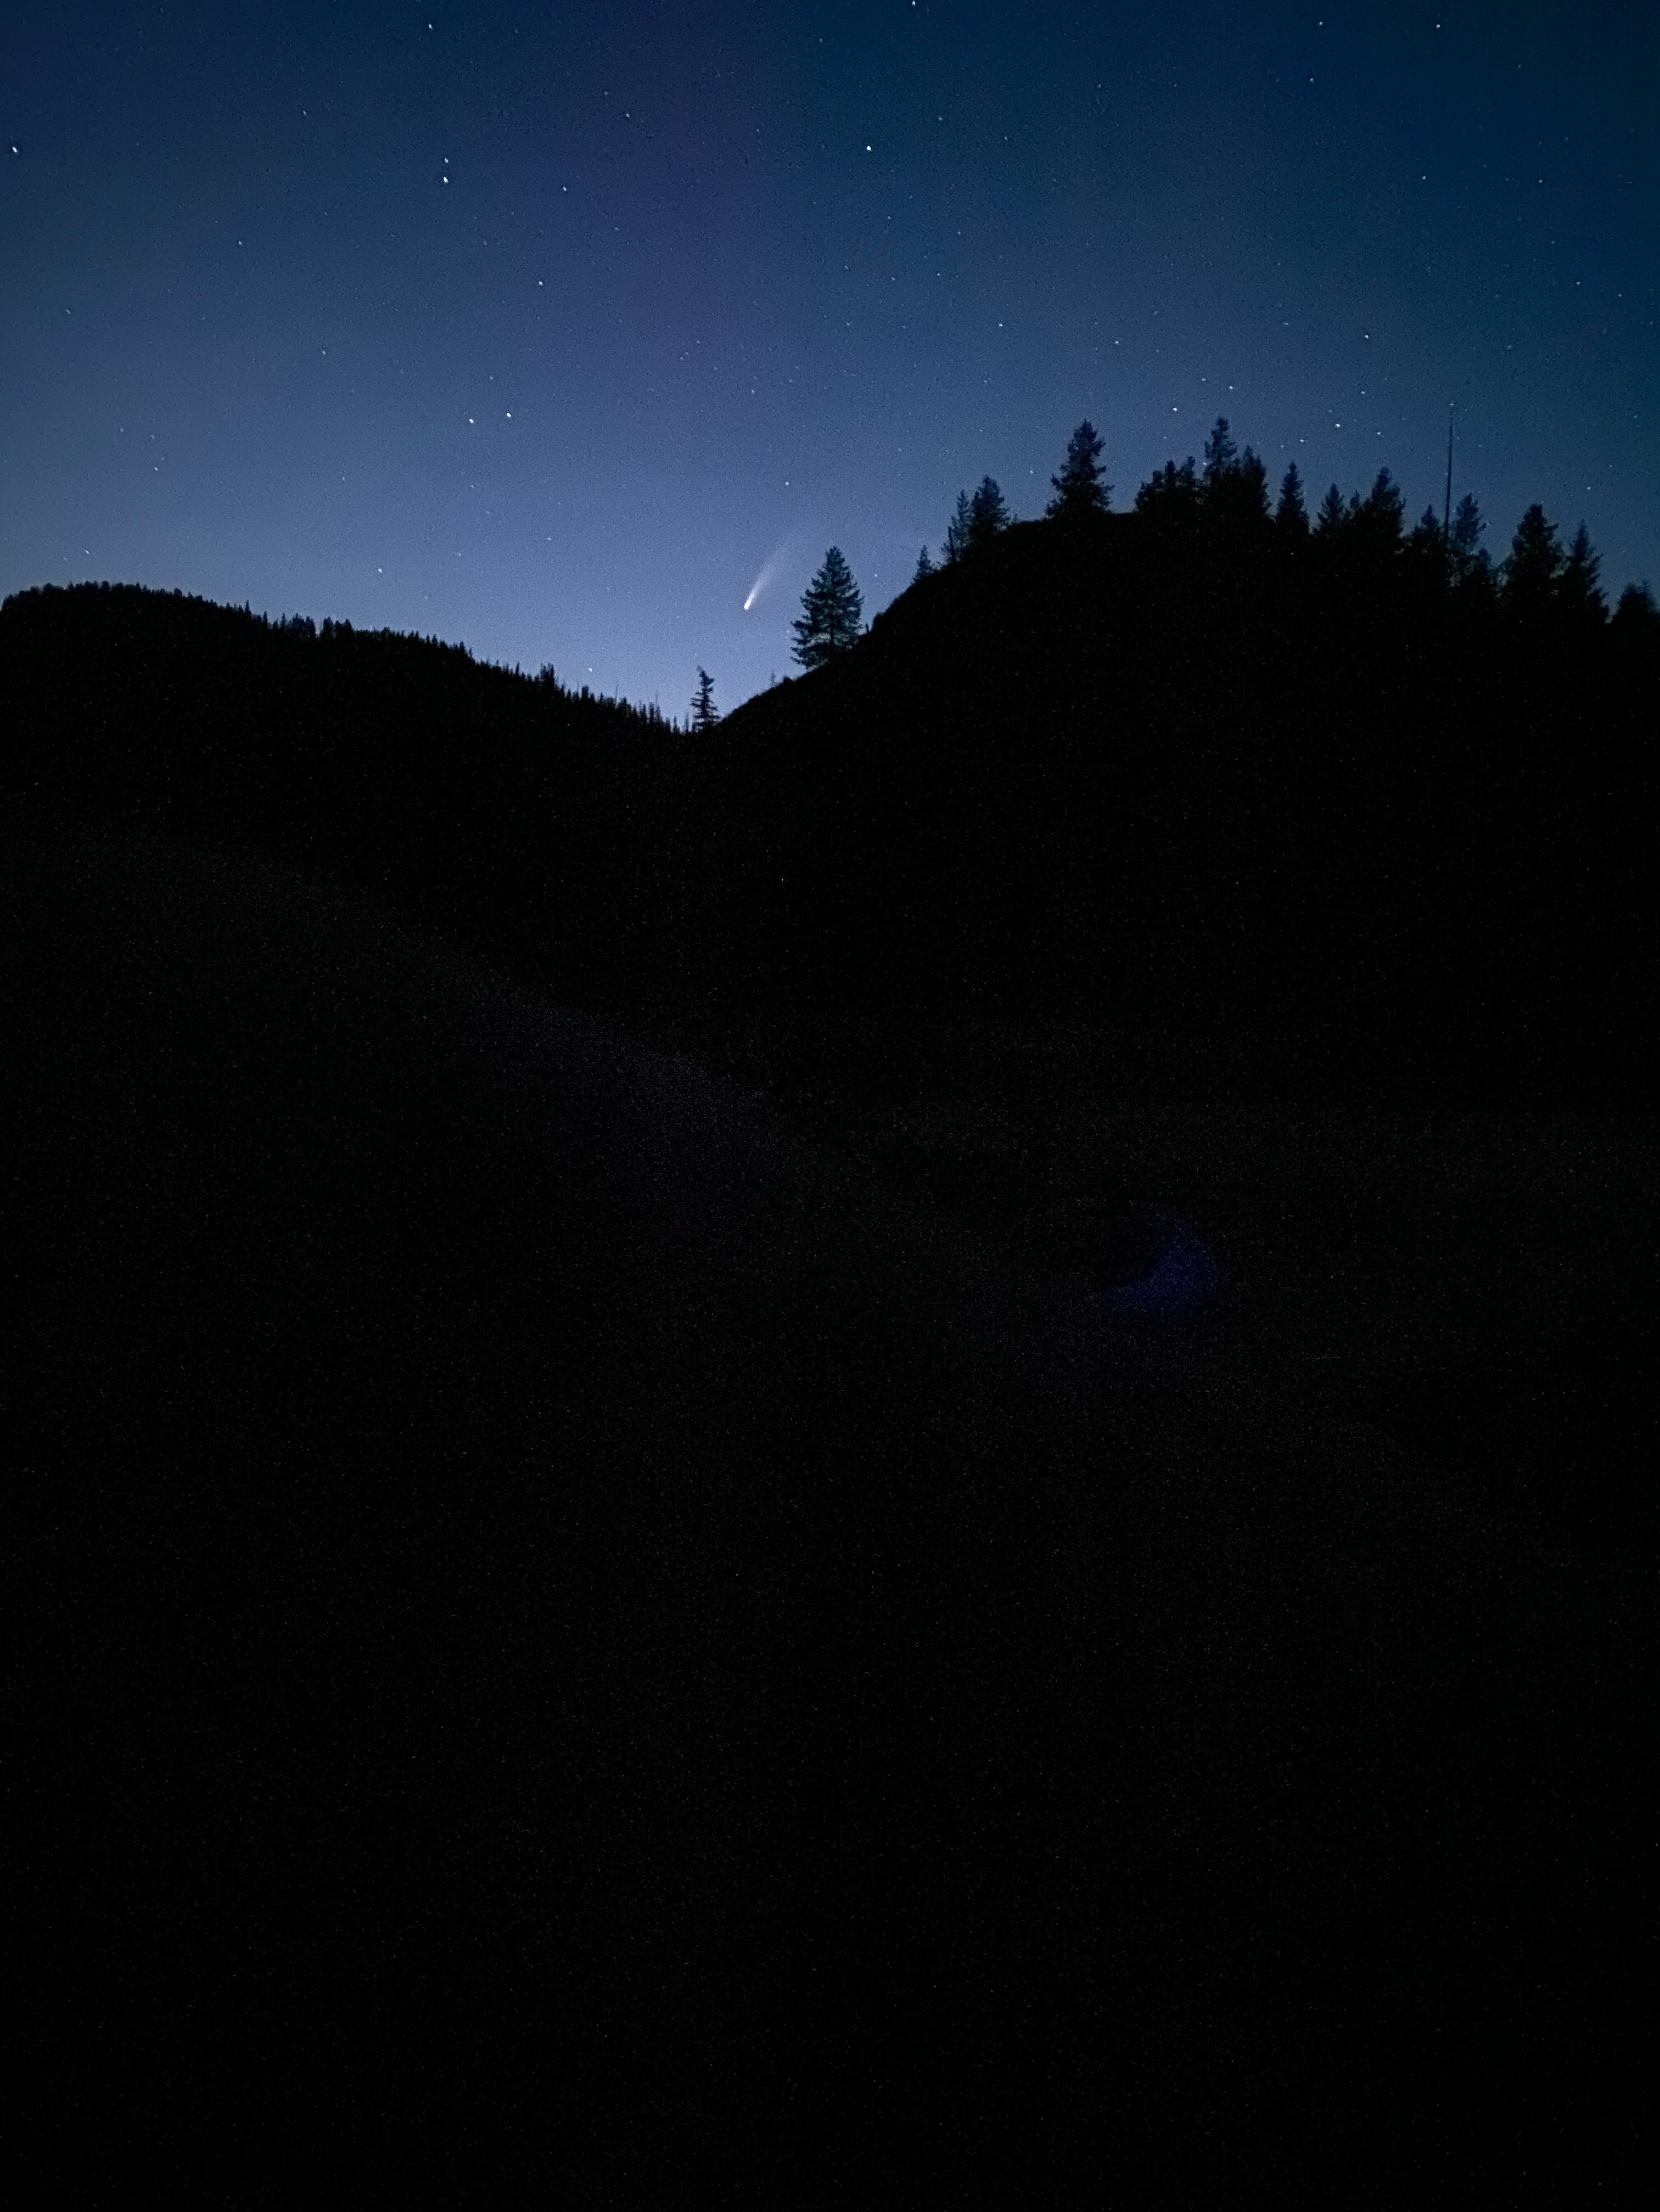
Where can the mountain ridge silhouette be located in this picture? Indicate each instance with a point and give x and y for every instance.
(1228, 811)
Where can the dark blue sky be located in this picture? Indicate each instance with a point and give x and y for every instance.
(552, 329)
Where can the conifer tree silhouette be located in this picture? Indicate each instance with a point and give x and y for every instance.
(830, 609)
(1637, 618)
(1536, 560)
(957, 530)
(1221, 454)
(1378, 516)
(1578, 589)
(1467, 528)
(1290, 514)
(1333, 514)
(1249, 486)
(924, 565)
(704, 712)
(1171, 496)
(1078, 489)
(1234, 487)
(988, 514)
(1427, 550)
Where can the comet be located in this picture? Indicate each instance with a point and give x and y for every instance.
(768, 570)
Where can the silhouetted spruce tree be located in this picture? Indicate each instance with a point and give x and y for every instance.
(988, 514)
(1221, 454)
(830, 609)
(1467, 528)
(1637, 618)
(957, 531)
(1235, 490)
(1536, 560)
(1171, 496)
(1333, 515)
(1290, 514)
(1379, 517)
(1578, 589)
(704, 715)
(1248, 489)
(1426, 550)
(1078, 489)
(924, 565)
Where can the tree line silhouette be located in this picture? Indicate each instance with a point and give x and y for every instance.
(1217, 794)
(1311, 804)
(1538, 578)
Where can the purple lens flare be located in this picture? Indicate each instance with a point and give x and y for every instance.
(1184, 1278)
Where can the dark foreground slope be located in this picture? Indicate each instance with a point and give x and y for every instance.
(566, 1651)
(1153, 821)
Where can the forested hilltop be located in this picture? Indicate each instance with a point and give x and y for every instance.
(1236, 801)
(465, 792)
(1212, 799)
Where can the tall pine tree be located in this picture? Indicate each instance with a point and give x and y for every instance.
(1221, 454)
(1467, 528)
(1171, 496)
(1078, 489)
(957, 530)
(704, 715)
(830, 609)
(1578, 591)
(1637, 618)
(1381, 514)
(989, 512)
(1290, 514)
(1333, 514)
(1536, 560)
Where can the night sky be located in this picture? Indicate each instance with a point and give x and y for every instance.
(552, 330)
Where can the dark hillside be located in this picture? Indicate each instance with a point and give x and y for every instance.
(1251, 814)
(479, 800)
(1206, 809)
(1092, 833)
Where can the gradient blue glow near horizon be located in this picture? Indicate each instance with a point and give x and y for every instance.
(536, 332)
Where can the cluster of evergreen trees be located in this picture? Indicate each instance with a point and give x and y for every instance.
(831, 605)
(1538, 578)
(1079, 490)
